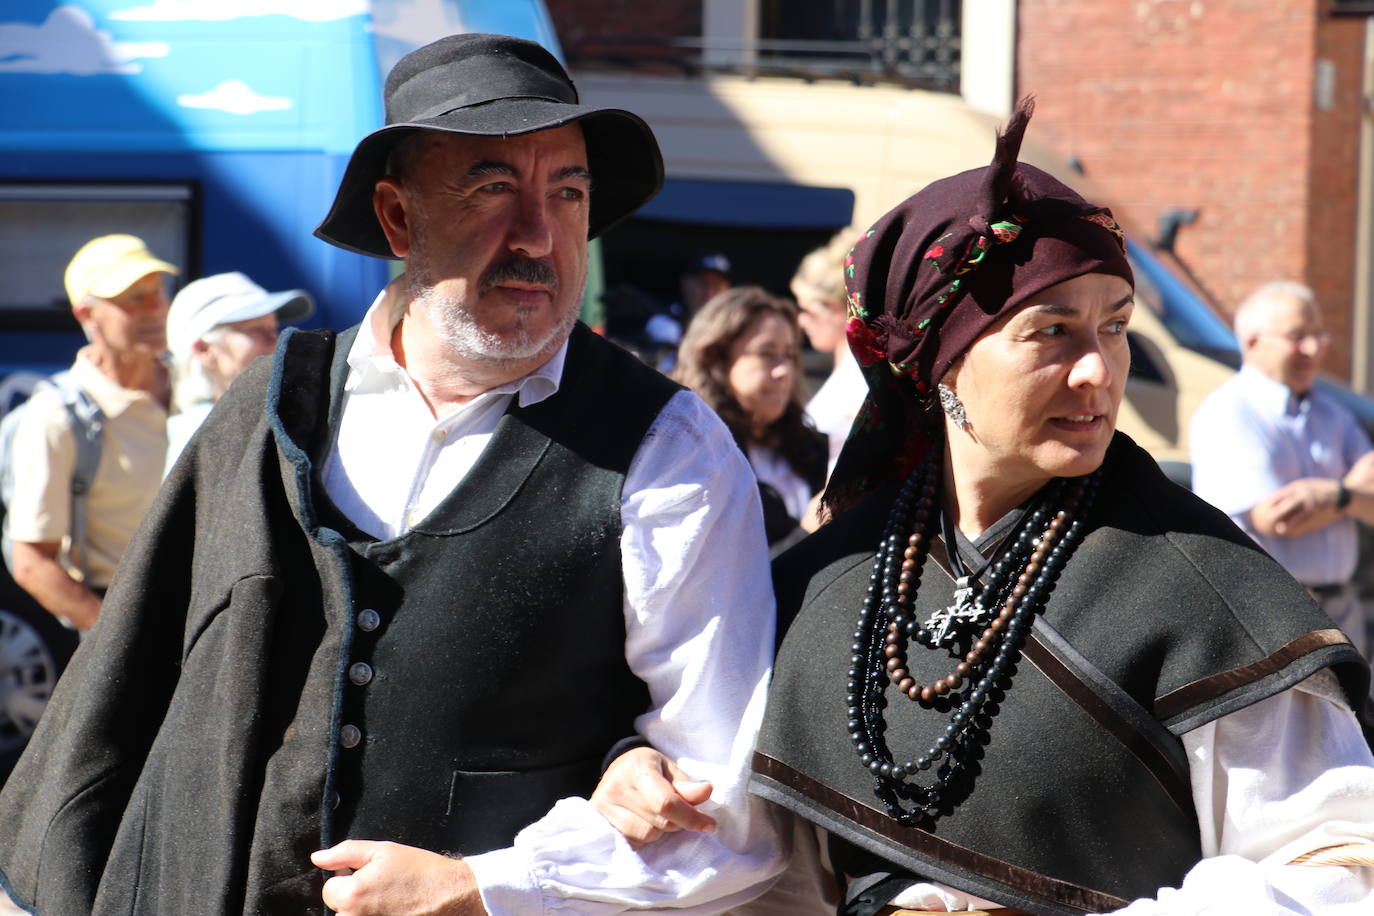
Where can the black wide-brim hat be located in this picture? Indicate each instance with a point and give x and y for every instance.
(493, 86)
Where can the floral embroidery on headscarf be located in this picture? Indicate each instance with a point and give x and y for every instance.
(867, 417)
(1006, 232)
(1106, 222)
(856, 306)
(936, 251)
(863, 341)
(917, 266)
(1003, 232)
(906, 370)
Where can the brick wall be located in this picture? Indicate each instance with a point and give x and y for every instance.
(1333, 179)
(1208, 104)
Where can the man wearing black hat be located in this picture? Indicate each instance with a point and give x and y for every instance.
(413, 605)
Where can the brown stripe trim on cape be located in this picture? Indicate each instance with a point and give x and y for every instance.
(937, 848)
(1181, 699)
(1179, 791)
(1042, 657)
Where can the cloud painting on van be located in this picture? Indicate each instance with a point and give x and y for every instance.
(235, 97)
(166, 75)
(221, 10)
(68, 41)
(253, 75)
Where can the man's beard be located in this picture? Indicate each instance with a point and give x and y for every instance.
(459, 329)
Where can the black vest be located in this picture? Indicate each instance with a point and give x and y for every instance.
(485, 674)
(1165, 617)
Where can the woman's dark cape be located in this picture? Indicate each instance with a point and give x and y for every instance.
(1165, 618)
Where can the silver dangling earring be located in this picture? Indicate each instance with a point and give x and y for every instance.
(952, 406)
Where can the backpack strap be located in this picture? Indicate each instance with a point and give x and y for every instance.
(87, 422)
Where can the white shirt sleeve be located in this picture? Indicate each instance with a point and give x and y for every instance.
(699, 618)
(1232, 451)
(1286, 776)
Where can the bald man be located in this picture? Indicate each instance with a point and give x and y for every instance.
(1290, 465)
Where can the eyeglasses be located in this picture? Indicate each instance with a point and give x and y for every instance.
(1298, 338)
(772, 357)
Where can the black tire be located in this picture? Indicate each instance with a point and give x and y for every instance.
(34, 650)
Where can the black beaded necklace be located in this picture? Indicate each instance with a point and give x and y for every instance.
(1019, 582)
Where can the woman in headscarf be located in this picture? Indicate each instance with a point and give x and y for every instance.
(1023, 669)
(742, 354)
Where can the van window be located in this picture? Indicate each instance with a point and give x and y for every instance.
(42, 224)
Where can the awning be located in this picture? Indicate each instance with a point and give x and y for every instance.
(752, 204)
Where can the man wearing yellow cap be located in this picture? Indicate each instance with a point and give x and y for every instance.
(118, 294)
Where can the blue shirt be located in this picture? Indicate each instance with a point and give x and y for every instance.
(1253, 435)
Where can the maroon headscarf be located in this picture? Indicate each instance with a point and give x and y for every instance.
(936, 272)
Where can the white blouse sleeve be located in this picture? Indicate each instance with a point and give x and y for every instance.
(699, 620)
(1287, 778)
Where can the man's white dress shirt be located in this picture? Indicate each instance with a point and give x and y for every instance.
(699, 622)
(1252, 436)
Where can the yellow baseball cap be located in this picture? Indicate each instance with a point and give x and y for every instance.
(107, 266)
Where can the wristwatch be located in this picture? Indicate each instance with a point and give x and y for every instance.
(1342, 496)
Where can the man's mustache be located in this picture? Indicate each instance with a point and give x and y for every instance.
(521, 270)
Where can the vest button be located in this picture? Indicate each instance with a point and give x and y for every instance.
(360, 673)
(369, 620)
(350, 735)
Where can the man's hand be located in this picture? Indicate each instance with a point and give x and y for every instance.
(1298, 508)
(1360, 482)
(388, 879)
(645, 795)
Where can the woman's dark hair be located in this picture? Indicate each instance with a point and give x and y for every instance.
(704, 366)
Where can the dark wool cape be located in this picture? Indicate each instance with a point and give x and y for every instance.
(190, 758)
(1165, 618)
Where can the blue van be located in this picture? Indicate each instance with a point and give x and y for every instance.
(216, 130)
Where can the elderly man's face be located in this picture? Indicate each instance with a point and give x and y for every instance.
(494, 234)
(232, 347)
(1291, 345)
(133, 322)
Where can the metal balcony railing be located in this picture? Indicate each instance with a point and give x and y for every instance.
(907, 40)
(910, 42)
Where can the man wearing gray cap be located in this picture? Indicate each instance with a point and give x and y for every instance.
(118, 295)
(217, 326)
(415, 582)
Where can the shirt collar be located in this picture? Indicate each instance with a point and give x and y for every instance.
(1273, 395)
(372, 367)
(111, 397)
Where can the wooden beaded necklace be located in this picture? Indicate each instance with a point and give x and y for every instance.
(1020, 578)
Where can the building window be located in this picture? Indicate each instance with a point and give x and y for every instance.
(913, 41)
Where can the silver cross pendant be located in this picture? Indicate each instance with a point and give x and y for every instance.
(963, 608)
